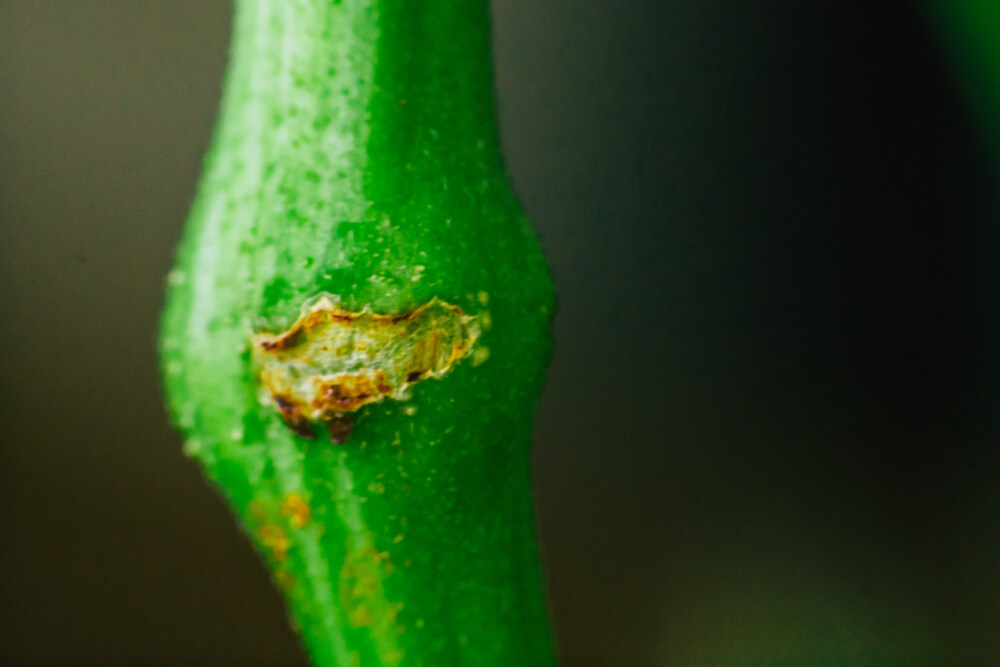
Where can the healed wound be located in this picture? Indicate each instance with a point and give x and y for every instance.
(332, 361)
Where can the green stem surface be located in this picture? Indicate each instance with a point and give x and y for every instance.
(356, 157)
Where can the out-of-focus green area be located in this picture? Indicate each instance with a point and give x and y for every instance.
(971, 31)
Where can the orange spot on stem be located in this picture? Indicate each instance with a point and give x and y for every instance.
(296, 509)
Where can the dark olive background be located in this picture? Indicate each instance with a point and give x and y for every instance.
(770, 429)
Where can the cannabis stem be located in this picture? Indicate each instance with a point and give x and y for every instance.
(355, 162)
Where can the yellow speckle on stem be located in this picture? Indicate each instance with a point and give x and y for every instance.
(256, 510)
(363, 597)
(296, 509)
(359, 616)
(273, 538)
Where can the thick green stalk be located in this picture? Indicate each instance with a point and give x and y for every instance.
(355, 177)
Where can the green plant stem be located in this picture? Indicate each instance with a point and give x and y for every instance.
(356, 157)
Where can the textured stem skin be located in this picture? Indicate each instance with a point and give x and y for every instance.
(355, 156)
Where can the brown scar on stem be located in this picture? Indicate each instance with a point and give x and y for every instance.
(294, 419)
(331, 361)
(340, 427)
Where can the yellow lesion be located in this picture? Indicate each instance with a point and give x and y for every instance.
(364, 600)
(296, 509)
(257, 511)
(332, 361)
(274, 521)
(273, 538)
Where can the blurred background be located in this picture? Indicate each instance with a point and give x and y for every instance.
(770, 430)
